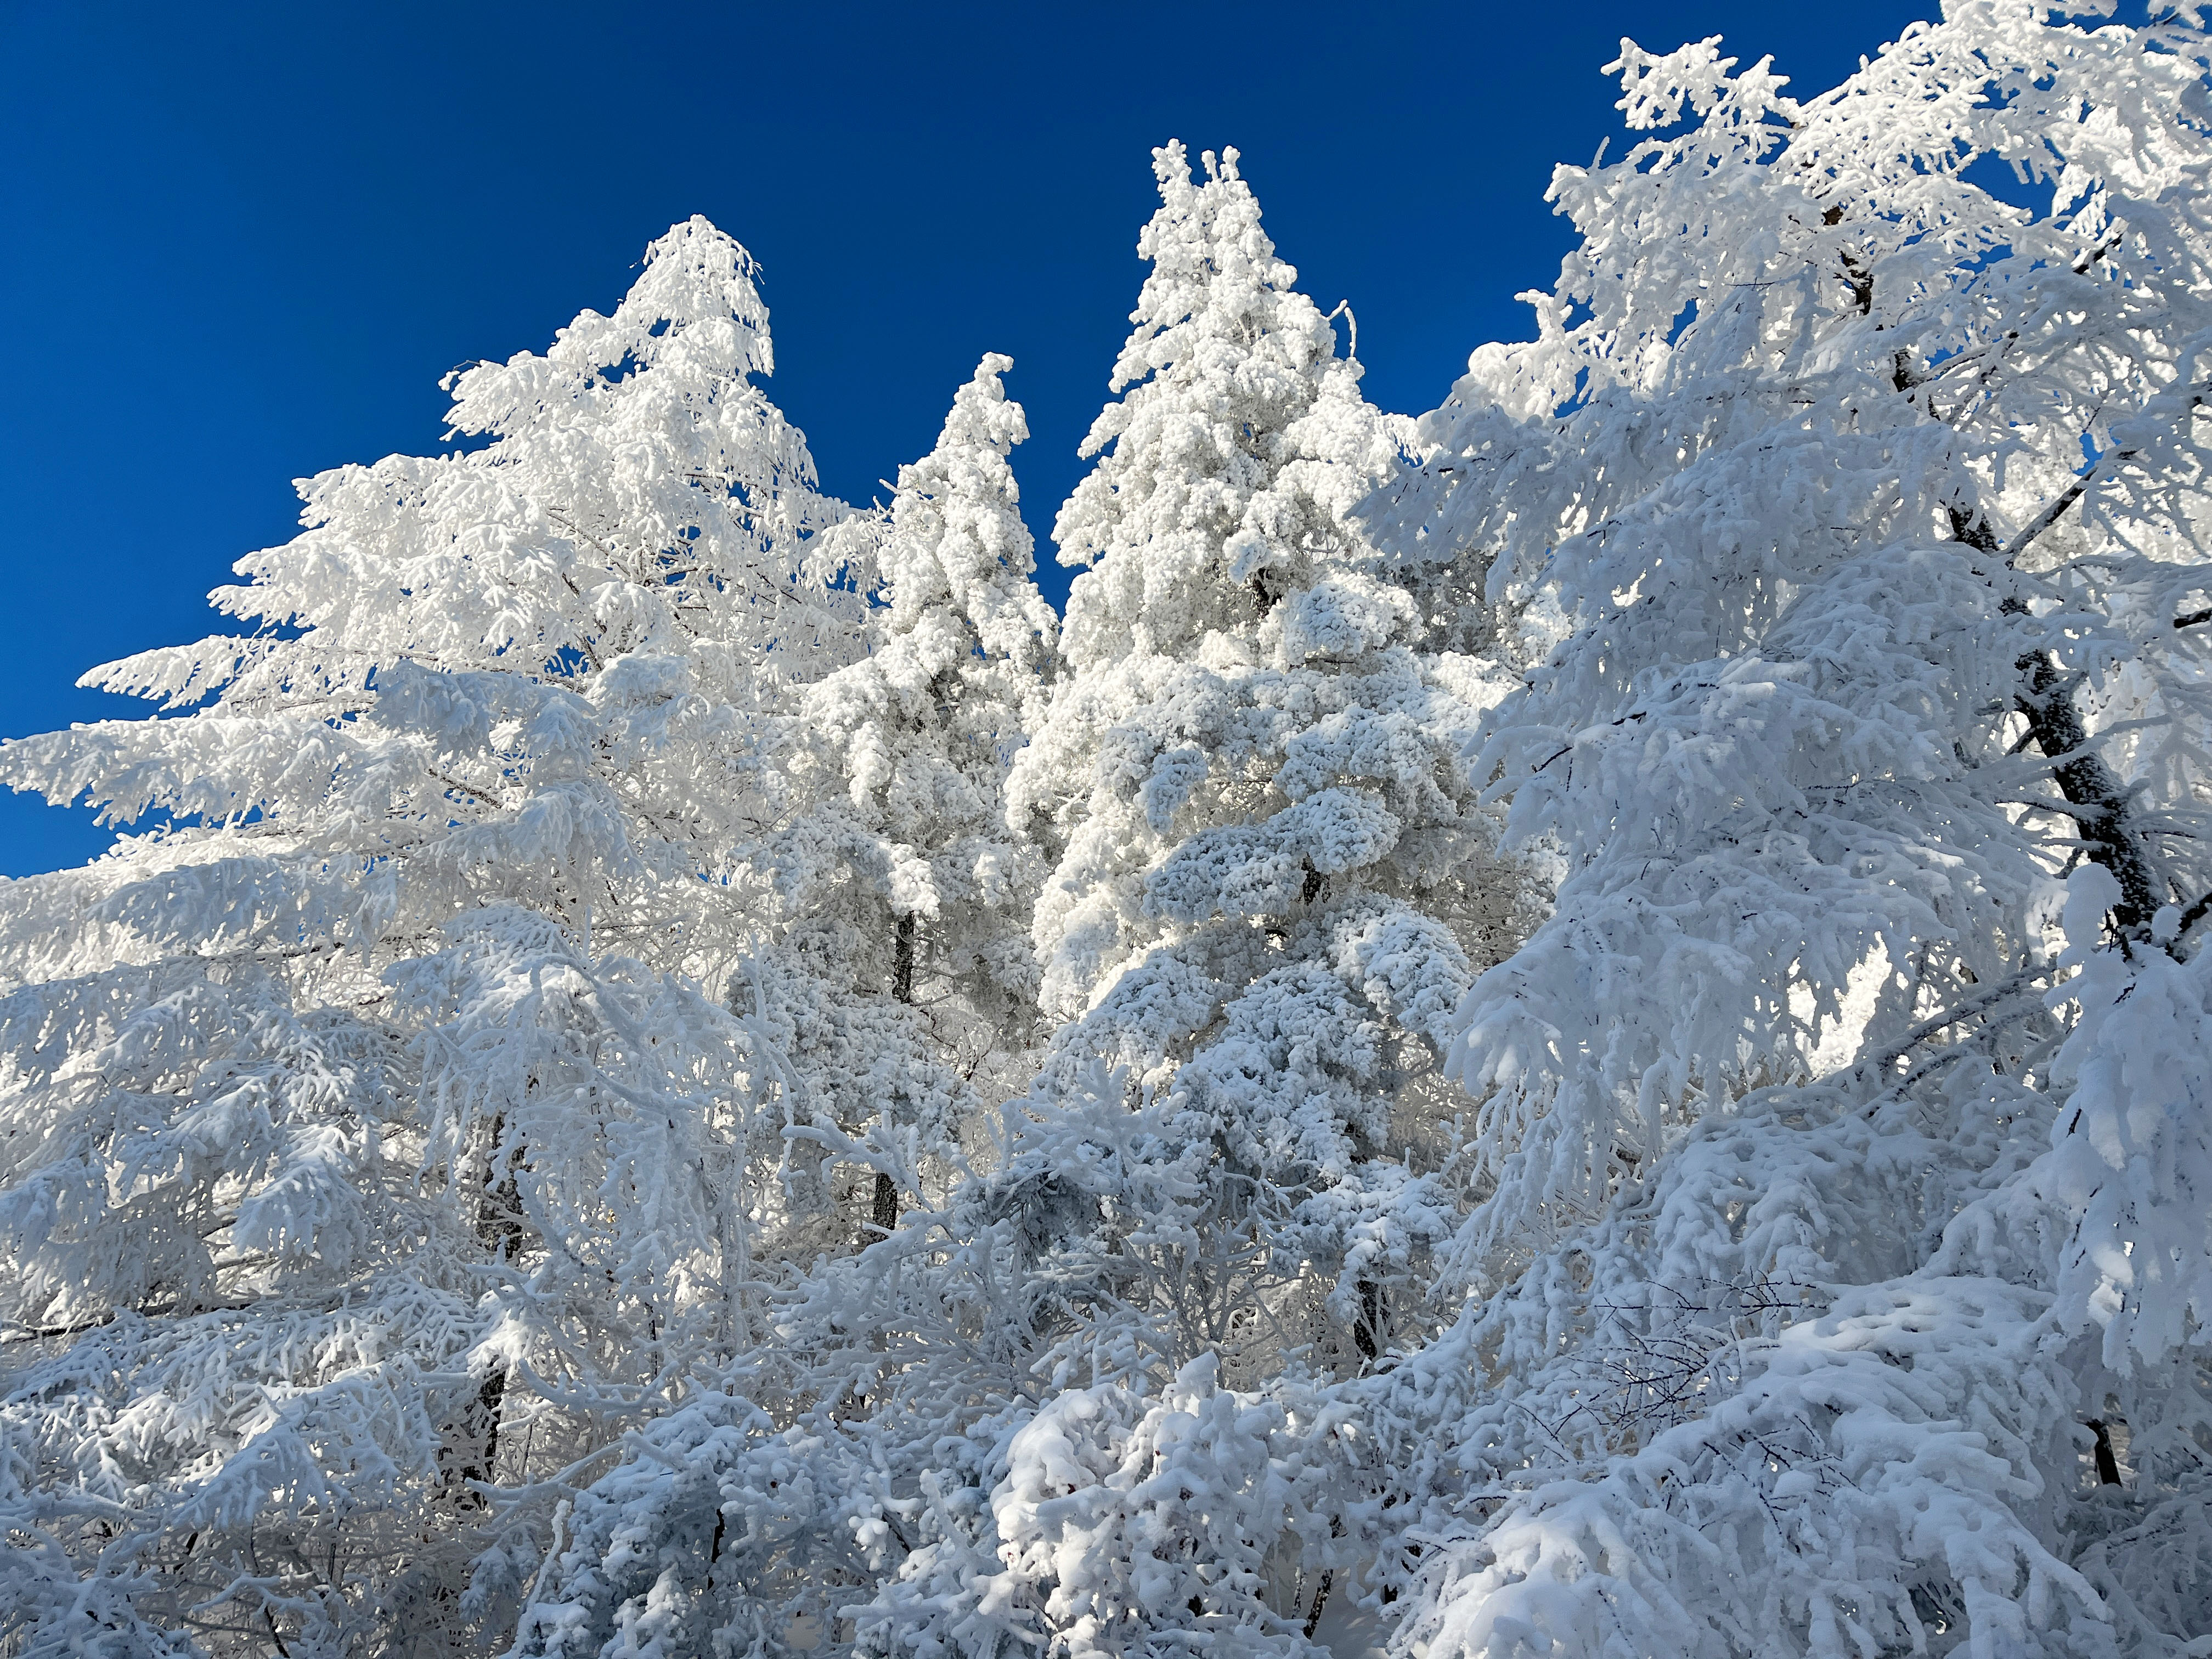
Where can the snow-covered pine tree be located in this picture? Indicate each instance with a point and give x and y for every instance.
(901, 977)
(378, 1143)
(1833, 1297)
(1275, 875)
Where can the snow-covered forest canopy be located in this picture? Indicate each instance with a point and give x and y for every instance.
(1578, 1025)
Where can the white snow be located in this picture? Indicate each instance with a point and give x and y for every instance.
(1587, 1011)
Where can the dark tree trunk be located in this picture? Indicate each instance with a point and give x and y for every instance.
(1367, 1329)
(1319, 1604)
(2098, 801)
(885, 1212)
(470, 1451)
(2108, 1465)
(902, 960)
(2102, 810)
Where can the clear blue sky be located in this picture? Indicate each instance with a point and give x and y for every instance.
(244, 242)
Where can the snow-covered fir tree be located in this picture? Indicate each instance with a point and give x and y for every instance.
(1276, 877)
(903, 969)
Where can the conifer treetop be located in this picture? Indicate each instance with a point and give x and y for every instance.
(1187, 517)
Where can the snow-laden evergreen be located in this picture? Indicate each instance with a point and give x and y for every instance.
(380, 1131)
(770, 1498)
(1578, 1026)
(904, 974)
(1276, 878)
(1842, 1219)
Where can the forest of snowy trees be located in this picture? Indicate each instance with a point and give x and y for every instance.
(1577, 1026)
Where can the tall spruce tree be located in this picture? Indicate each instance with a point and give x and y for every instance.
(902, 986)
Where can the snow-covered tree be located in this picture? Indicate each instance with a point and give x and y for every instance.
(899, 987)
(905, 974)
(1584, 1020)
(1832, 1296)
(1276, 877)
(376, 1133)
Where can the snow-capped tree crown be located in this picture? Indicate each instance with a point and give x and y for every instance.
(395, 1101)
(1238, 443)
(1272, 873)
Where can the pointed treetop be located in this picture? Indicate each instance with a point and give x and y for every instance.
(700, 284)
(637, 483)
(1209, 256)
(693, 307)
(1225, 358)
(956, 536)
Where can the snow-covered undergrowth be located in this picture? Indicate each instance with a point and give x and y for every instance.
(1574, 1027)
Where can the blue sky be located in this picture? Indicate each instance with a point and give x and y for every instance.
(247, 240)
